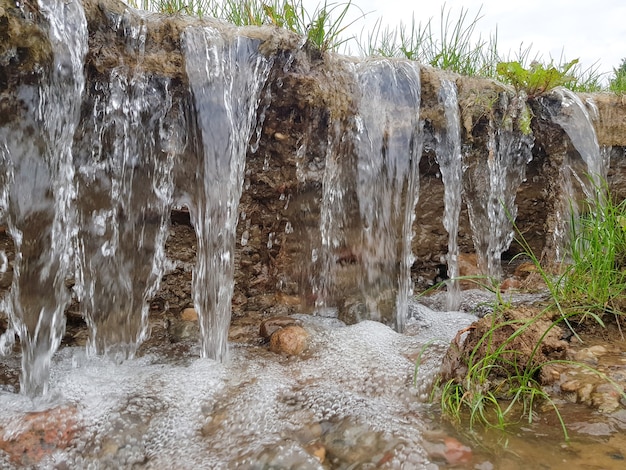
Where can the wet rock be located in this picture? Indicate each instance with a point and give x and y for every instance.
(271, 325)
(189, 314)
(468, 267)
(317, 450)
(33, 436)
(185, 327)
(290, 340)
(448, 449)
(352, 444)
(606, 397)
(509, 284)
(589, 355)
(525, 269)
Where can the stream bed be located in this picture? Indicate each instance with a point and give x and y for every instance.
(349, 401)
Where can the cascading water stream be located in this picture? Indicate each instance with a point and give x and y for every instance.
(388, 143)
(370, 189)
(37, 194)
(448, 154)
(125, 195)
(226, 76)
(492, 209)
(577, 122)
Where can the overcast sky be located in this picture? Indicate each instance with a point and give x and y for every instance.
(593, 31)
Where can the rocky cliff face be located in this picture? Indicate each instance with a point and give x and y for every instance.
(306, 109)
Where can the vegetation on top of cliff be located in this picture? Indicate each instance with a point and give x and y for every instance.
(536, 79)
(322, 28)
(450, 45)
(618, 82)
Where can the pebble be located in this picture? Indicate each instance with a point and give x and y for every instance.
(39, 434)
(189, 314)
(290, 340)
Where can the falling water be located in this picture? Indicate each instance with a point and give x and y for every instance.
(226, 75)
(333, 216)
(125, 190)
(577, 121)
(493, 210)
(388, 143)
(371, 223)
(448, 153)
(37, 192)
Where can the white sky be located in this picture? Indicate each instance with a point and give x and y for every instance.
(594, 31)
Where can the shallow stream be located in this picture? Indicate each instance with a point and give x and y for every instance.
(349, 401)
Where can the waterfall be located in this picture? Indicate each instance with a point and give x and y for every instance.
(37, 192)
(492, 208)
(577, 122)
(333, 217)
(448, 154)
(124, 198)
(226, 76)
(574, 117)
(370, 189)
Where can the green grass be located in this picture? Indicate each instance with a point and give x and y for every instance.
(451, 43)
(323, 28)
(594, 279)
(618, 81)
(499, 389)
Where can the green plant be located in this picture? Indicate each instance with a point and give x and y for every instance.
(538, 78)
(452, 48)
(500, 386)
(322, 28)
(594, 281)
(618, 82)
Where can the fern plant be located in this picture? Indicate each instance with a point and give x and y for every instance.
(538, 78)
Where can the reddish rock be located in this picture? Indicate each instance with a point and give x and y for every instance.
(33, 436)
(510, 283)
(468, 267)
(290, 340)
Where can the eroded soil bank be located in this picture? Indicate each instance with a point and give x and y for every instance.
(308, 101)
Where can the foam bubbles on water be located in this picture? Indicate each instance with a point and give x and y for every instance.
(350, 392)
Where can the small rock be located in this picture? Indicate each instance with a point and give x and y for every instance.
(570, 386)
(279, 136)
(189, 314)
(510, 283)
(291, 340)
(468, 268)
(290, 300)
(525, 269)
(587, 355)
(584, 394)
(317, 450)
(598, 350)
(269, 326)
(606, 397)
(38, 434)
